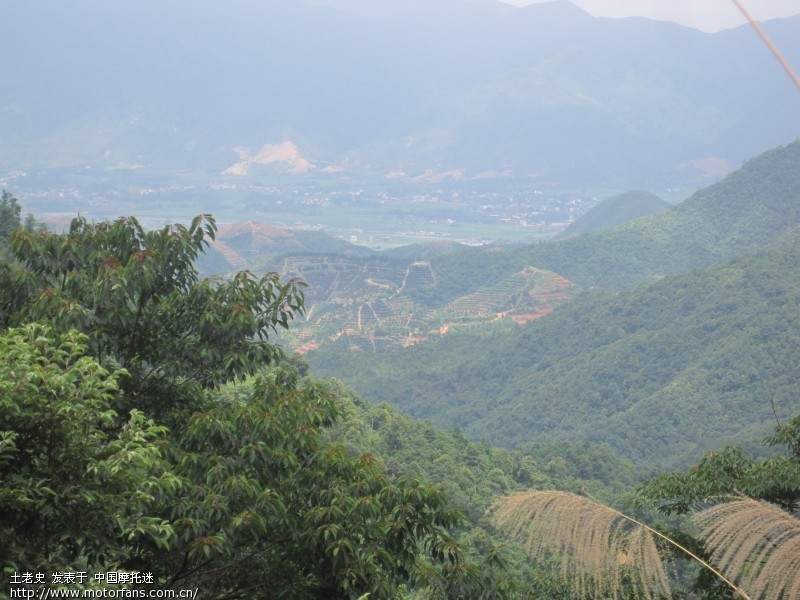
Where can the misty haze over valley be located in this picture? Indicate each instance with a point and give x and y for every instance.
(497, 104)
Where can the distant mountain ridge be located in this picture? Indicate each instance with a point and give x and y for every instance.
(750, 209)
(545, 93)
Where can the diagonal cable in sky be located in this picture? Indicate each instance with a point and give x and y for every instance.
(770, 44)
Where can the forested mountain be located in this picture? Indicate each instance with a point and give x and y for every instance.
(660, 372)
(751, 208)
(154, 429)
(191, 460)
(456, 88)
(369, 300)
(615, 211)
(197, 456)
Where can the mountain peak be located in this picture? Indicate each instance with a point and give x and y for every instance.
(561, 9)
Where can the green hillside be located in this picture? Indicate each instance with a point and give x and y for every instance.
(750, 209)
(359, 299)
(615, 211)
(429, 334)
(660, 373)
(230, 471)
(227, 472)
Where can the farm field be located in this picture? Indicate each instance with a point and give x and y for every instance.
(376, 216)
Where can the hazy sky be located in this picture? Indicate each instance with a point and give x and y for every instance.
(709, 15)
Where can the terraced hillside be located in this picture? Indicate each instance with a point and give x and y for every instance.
(370, 304)
(359, 299)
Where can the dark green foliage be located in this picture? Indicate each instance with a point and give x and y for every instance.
(787, 435)
(235, 490)
(138, 297)
(74, 485)
(726, 474)
(474, 474)
(11, 221)
(246, 495)
(729, 472)
(276, 508)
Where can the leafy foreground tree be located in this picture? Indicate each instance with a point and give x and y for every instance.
(137, 296)
(121, 449)
(246, 497)
(731, 473)
(266, 501)
(71, 489)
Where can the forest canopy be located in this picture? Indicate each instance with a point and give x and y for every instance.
(149, 423)
(123, 448)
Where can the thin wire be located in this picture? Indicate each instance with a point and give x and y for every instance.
(766, 39)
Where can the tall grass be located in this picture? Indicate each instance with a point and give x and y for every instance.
(758, 543)
(605, 553)
(602, 552)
